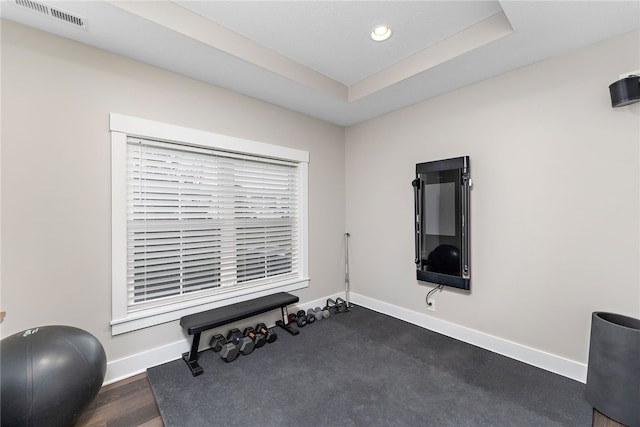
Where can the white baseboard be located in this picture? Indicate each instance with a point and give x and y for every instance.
(556, 364)
(137, 363)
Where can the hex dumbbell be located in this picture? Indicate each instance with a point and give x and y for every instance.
(245, 344)
(258, 338)
(269, 333)
(228, 350)
(217, 341)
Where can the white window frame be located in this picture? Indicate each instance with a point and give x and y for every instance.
(121, 127)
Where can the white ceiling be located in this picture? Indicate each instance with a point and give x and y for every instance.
(316, 57)
(333, 37)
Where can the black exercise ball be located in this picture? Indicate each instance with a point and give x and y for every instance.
(49, 375)
(444, 259)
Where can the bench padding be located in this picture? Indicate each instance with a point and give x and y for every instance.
(199, 322)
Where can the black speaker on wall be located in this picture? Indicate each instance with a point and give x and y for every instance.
(625, 91)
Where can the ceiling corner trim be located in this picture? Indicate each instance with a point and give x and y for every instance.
(473, 37)
(189, 24)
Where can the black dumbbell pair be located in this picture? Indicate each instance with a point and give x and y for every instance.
(231, 346)
(301, 318)
(237, 343)
(228, 350)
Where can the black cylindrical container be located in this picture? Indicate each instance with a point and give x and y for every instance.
(613, 374)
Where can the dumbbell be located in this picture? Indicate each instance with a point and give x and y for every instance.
(324, 312)
(217, 341)
(307, 319)
(315, 313)
(310, 318)
(258, 338)
(319, 313)
(228, 350)
(245, 344)
(269, 334)
(330, 307)
(301, 321)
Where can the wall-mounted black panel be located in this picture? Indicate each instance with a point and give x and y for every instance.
(441, 191)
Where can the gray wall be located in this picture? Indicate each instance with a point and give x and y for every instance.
(555, 203)
(56, 221)
(554, 206)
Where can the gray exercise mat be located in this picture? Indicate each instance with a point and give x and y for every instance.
(364, 368)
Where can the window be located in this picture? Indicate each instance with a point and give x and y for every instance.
(201, 220)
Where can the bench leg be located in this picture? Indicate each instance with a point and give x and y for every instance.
(284, 323)
(192, 357)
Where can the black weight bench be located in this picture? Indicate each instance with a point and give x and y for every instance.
(195, 324)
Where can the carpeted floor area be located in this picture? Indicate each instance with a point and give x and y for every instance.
(364, 368)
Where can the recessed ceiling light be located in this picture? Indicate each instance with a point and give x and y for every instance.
(380, 33)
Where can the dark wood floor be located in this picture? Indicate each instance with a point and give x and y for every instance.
(126, 403)
(130, 403)
(601, 420)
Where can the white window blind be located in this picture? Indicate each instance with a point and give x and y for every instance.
(200, 222)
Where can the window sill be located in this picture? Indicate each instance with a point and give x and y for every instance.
(166, 314)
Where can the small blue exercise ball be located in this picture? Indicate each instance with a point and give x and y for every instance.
(49, 375)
